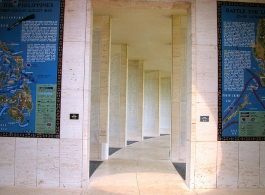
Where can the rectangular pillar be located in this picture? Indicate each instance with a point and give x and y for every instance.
(99, 127)
(202, 83)
(179, 93)
(151, 103)
(118, 94)
(135, 100)
(165, 106)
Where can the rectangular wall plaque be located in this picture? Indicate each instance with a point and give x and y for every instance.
(204, 118)
(31, 34)
(241, 71)
(74, 116)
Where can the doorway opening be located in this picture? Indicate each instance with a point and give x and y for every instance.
(154, 41)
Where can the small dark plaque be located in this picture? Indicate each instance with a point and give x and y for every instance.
(74, 116)
(204, 118)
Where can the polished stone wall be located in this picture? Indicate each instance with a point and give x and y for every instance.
(135, 100)
(118, 96)
(99, 121)
(151, 103)
(179, 89)
(165, 106)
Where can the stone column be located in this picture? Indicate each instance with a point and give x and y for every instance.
(151, 103)
(118, 94)
(202, 84)
(165, 106)
(202, 101)
(178, 134)
(135, 100)
(99, 128)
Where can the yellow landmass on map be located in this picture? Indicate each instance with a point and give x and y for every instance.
(237, 110)
(259, 49)
(21, 99)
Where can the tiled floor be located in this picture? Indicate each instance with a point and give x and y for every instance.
(141, 168)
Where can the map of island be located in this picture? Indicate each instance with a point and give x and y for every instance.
(259, 50)
(243, 93)
(15, 93)
(30, 68)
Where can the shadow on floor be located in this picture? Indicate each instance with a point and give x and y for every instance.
(164, 134)
(93, 165)
(181, 169)
(113, 150)
(146, 137)
(131, 142)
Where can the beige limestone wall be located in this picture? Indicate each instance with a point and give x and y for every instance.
(99, 131)
(118, 96)
(202, 95)
(74, 135)
(151, 103)
(60, 162)
(135, 100)
(212, 163)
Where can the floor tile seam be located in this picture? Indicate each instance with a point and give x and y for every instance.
(155, 159)
(120, 159)
(138, 170)
(196, 193)
(145, 158)
(144, 147)
(81, 193)
(2, 188)
(137, 183)
(130, 161)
